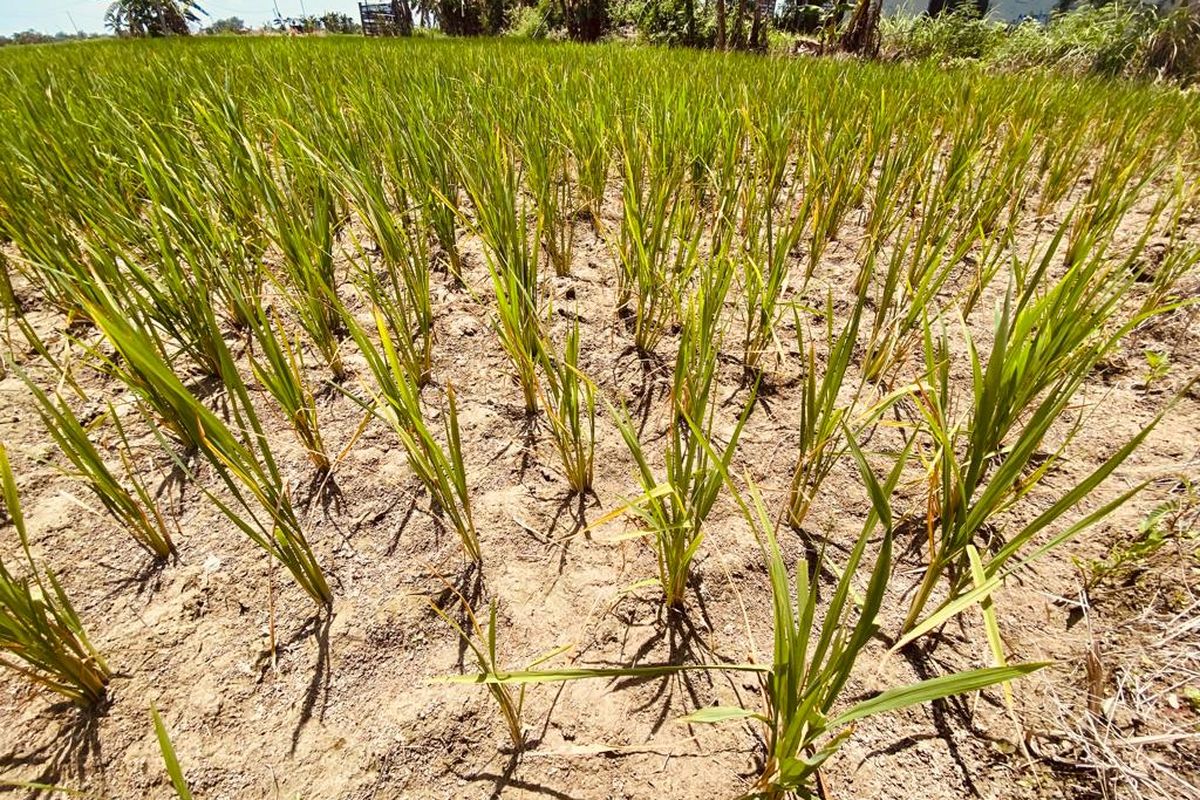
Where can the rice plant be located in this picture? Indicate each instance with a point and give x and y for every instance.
(765, 269)
(923, 259)
(438, 466)
(822, 417)
(230, 175)
(188, 255)
(482, 645)
(280, 369)
(673, 510)
(174, 771)
(547, 171)
(816, 649)
(8, 296)
(570, 406)
(240, 456)
(423, 160)
(659, 242)
(135, 511)
(304, 219)
(588, 139)
(41, 636)
(507, 686)
(1041, 354)
(491, 181)
(401, 293)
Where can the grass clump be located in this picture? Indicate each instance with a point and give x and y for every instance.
(135, 511)
(240, 455)
(41, 636)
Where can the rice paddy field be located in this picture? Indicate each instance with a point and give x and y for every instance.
(474, 419)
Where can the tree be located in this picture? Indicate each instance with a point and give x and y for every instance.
(427, 12)
(334, 22)
(152, 17)
(402, 14)
(586, 20)
(862, 33)
(228, 25)
(674, 22)
(800, 16)
(463, 17)
(30, 37)
(747, 12)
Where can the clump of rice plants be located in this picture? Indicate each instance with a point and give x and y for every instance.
(211, 234)
(588, 139)
(765, 270)
(423, 160)
(304, 220)
(1045, 345)
(438, 466)
(41, 636)
(816, 649)
(658, 246)
(547, 171)
(280, 369)
(571, 408)
(673, 510)
(135, 511)
(244, 462)
(821, 417)
(491, 181)
(400, 291)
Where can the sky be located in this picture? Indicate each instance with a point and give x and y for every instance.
(51, 16)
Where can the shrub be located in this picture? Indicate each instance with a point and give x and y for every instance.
(1173, 46)
(227, 25)
(675, 23)
(1100, 39)
(959, 34)
(528, 23)
(1125, 38)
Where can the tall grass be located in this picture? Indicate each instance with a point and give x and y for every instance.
(1120, 38)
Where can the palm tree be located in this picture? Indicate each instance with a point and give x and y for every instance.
(152, 17)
